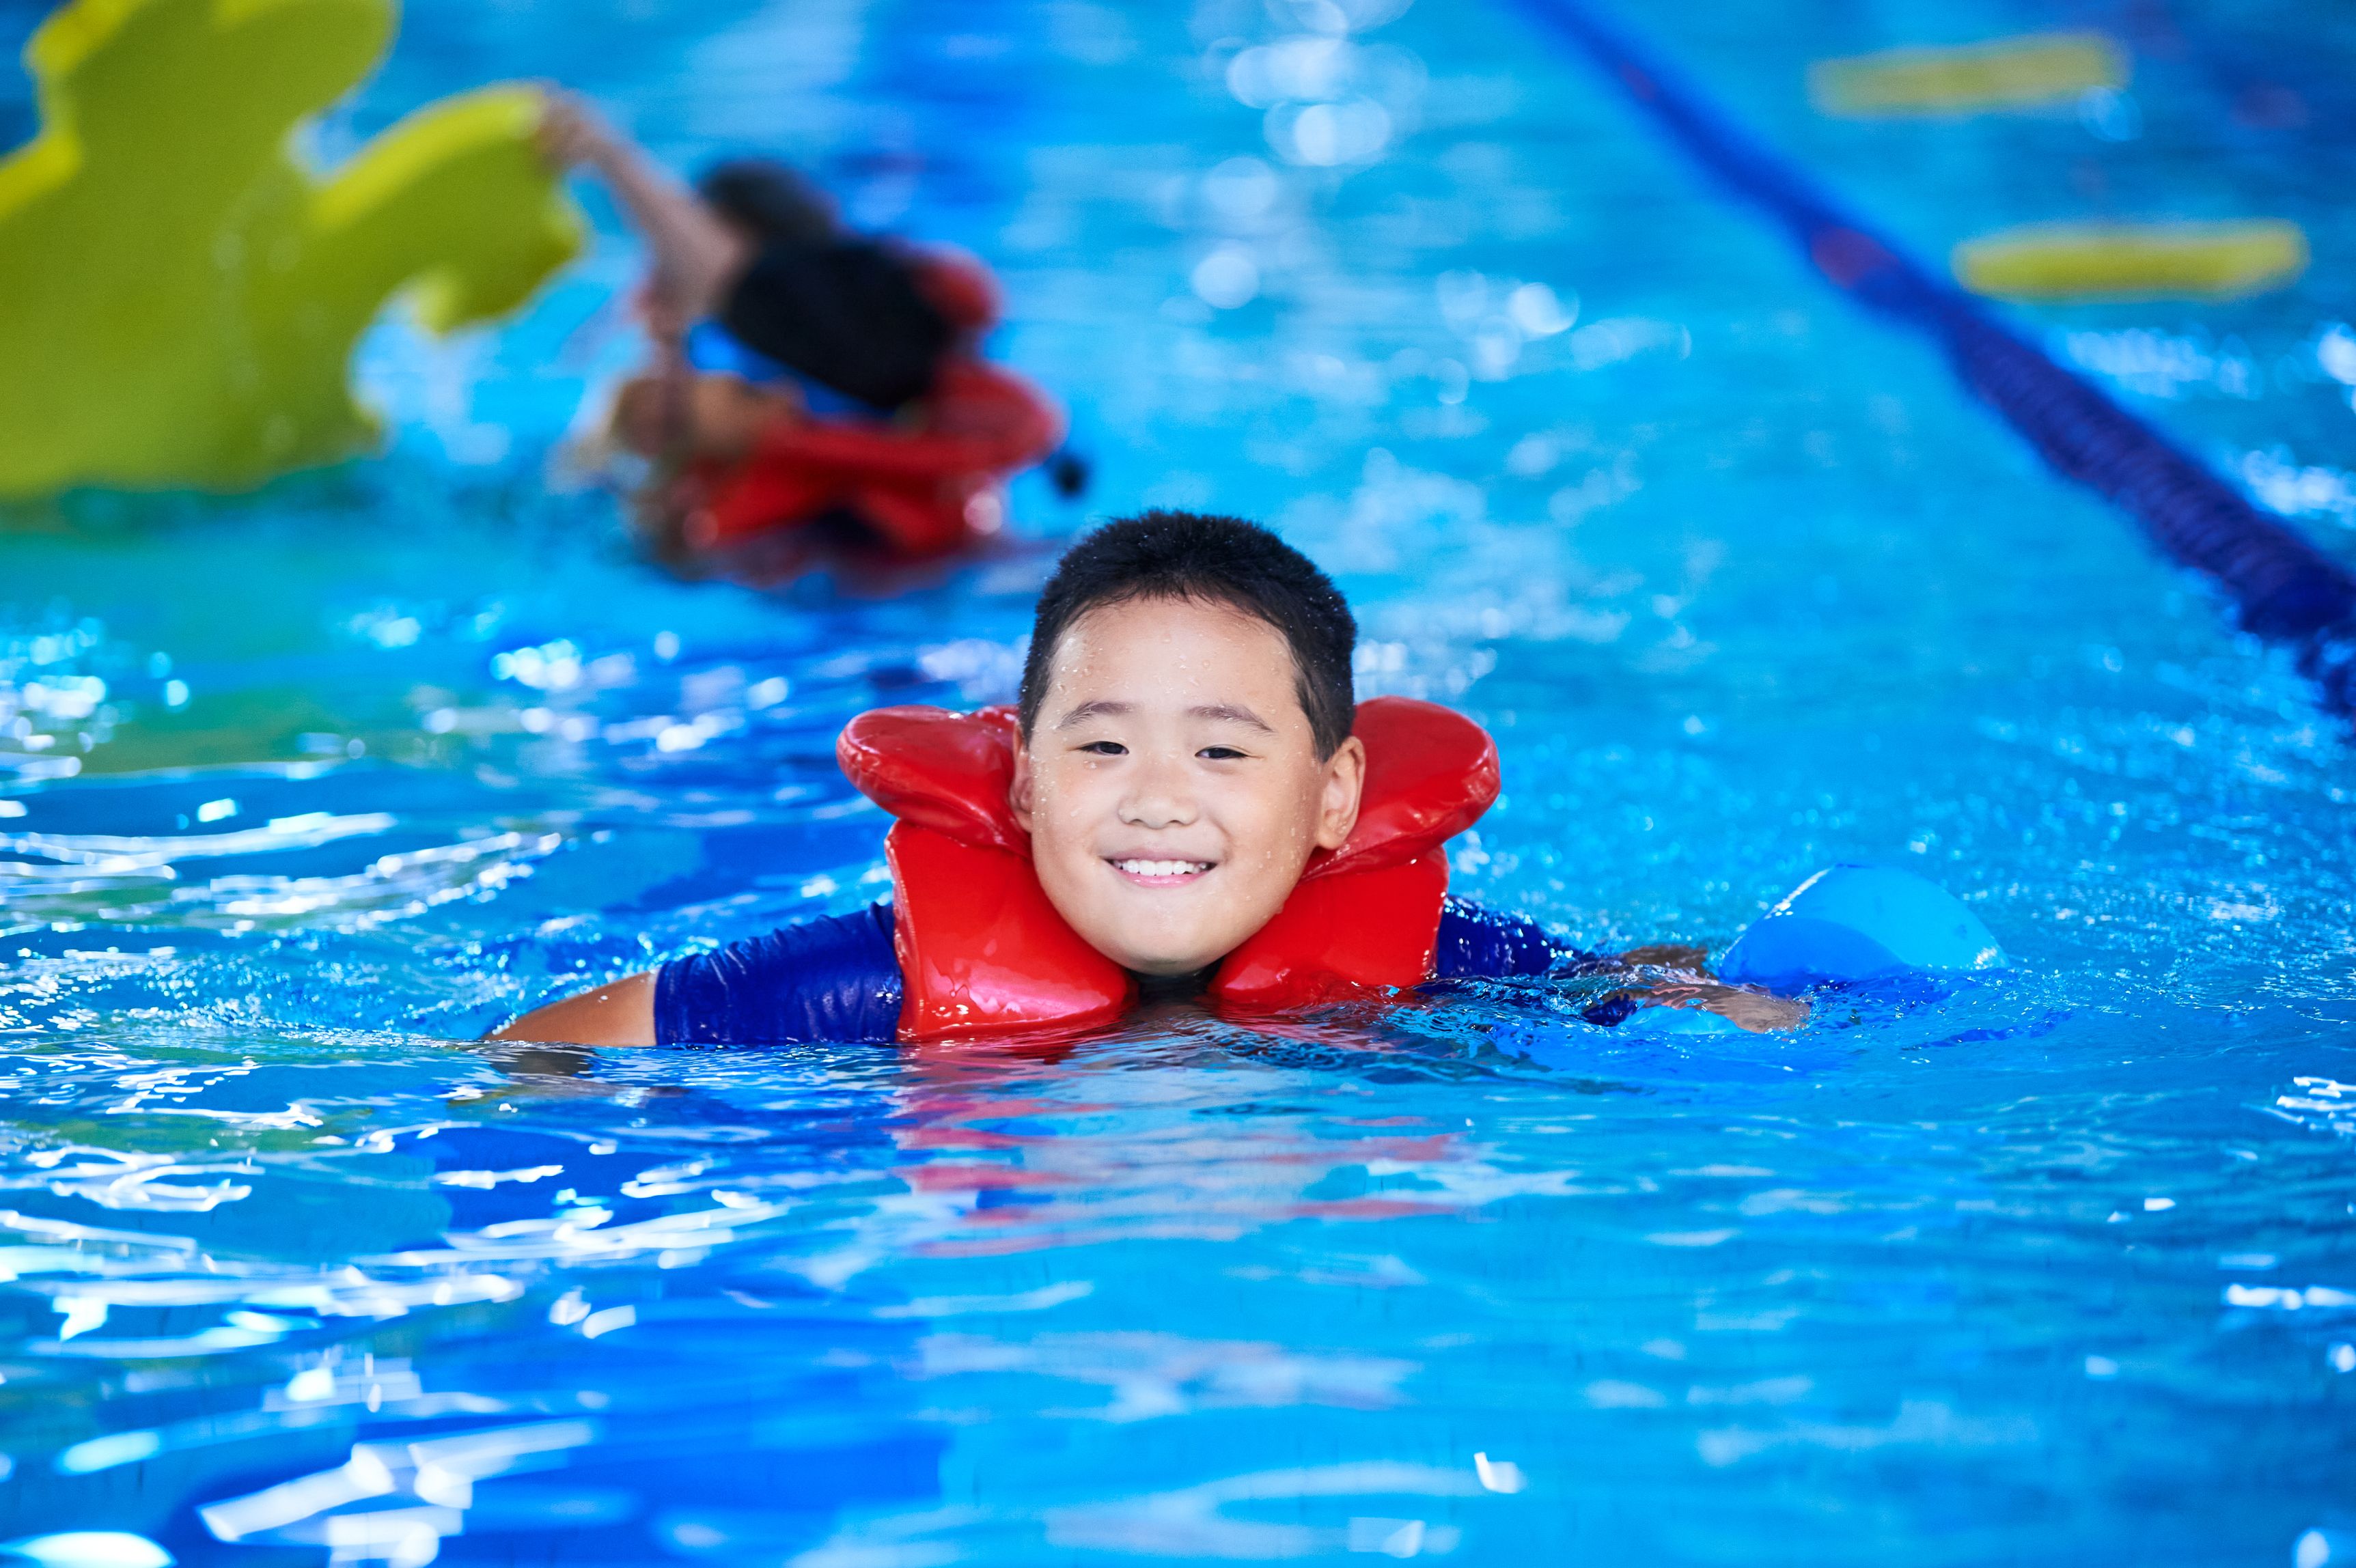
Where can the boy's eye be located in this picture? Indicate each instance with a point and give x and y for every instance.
(1220, 753)
(1106, 749)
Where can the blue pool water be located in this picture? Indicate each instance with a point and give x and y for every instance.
(2059, 1268)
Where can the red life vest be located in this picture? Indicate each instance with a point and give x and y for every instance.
(927, 483)
(982, 951)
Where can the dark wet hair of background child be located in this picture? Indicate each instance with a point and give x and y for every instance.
(838, 307)
(775, 207)
(1210, 560)
(771, 202)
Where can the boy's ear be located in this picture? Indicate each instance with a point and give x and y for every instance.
(1017, 791)
(1346, 781)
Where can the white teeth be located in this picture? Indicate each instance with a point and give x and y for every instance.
(1163, 867)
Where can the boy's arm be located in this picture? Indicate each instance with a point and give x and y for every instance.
(1759, 1012)
(1474, 941)
(620, 1014)
(832, 977)
(1668, 956)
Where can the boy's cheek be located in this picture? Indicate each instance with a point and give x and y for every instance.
(1060, 822)
(1064, 836)
(1076, 803)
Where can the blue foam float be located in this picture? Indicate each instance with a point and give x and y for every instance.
(1850, 924)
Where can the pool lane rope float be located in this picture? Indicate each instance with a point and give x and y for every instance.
(2041, 70)
(179, 295)
(2133, 260)
(2286, 590)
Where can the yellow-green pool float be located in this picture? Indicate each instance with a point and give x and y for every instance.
(2133, 260)
(179, 297)
(2029, 72)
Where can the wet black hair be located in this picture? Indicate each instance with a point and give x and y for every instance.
(842, 309)
(774, 201)
(1212, 560)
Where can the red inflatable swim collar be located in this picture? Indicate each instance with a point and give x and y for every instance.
(982, 951)
(926, 483)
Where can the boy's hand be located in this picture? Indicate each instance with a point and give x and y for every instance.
(1754, 1010)
(1668, 956)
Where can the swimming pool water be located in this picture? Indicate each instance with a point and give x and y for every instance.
(2062, 1266)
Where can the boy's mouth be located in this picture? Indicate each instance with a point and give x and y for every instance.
(1160, 873)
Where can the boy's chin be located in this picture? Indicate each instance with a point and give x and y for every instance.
(1161, 963)
(1164, 932)
(1161, 960)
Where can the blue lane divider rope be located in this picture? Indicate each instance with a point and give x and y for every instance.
(2286, 590)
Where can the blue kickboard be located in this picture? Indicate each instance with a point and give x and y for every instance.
(1860, 922)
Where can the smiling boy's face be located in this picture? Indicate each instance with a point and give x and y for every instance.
(1171, 783)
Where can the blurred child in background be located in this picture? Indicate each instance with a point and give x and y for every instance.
(813, 388)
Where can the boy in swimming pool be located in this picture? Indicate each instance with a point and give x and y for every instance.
(1182, 806)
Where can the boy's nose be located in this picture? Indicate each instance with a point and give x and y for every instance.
(1160, 799)
(1156, 812)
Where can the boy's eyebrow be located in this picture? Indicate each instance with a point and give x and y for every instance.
(1087, 710)
(1236, 715)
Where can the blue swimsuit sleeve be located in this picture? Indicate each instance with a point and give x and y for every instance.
(1480, 943)
(834, 978)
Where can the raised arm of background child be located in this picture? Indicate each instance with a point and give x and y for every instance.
(620, 1014)
(697, 257)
